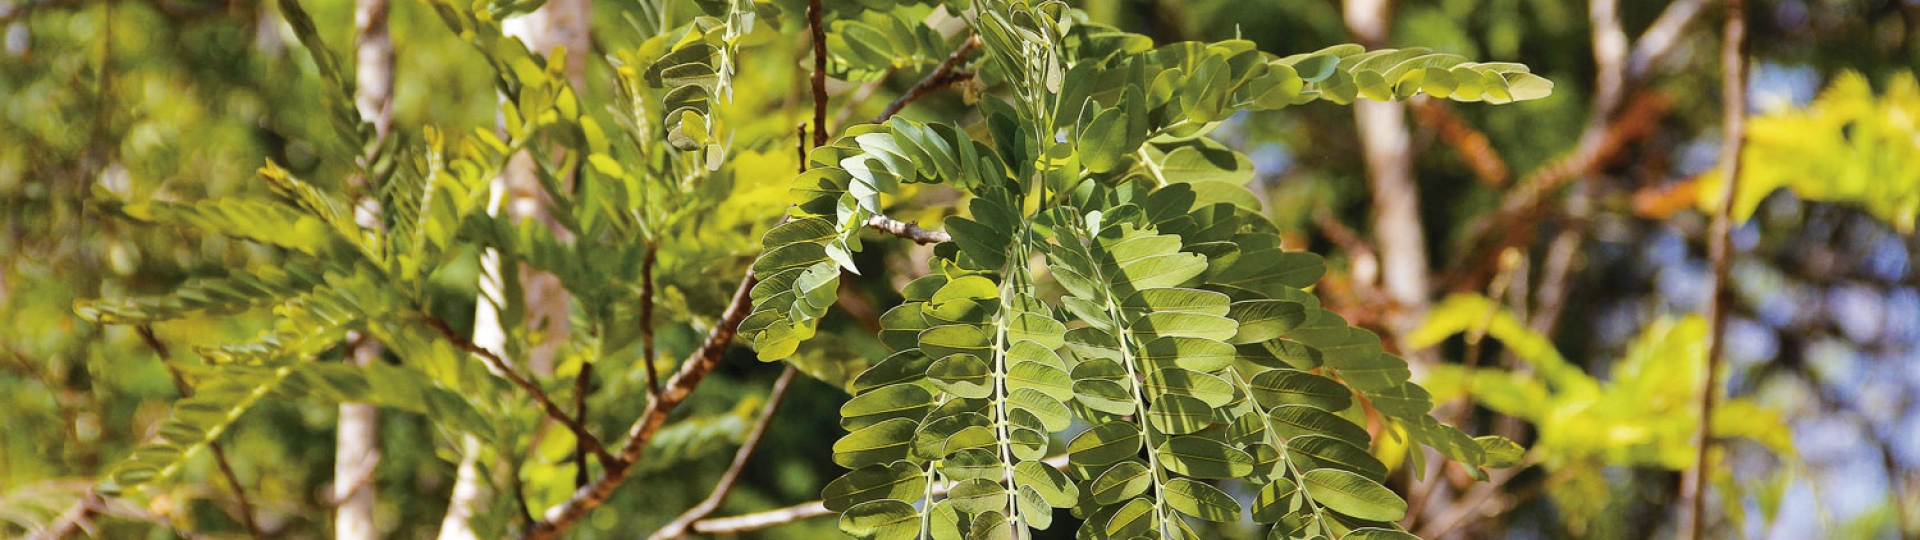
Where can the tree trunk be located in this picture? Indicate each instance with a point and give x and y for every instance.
(1387, 147)
(356, 452)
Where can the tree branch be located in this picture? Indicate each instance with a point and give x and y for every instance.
(941, 77)
(679, 527)
(678, 387)
(908, 231)
(819, 78)
(1612, 125)
(219, 452)
(1733, 96)
(1471, 502)
(761, 520)
(646, 321)
(586, 438)
(1469, 141)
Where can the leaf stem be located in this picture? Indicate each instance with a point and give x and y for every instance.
(219, 454)
(1733, 98)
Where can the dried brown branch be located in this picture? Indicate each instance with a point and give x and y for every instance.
(219, 452)
(679, 527)
(1612, 126)
(1512, 224)
(947, 74)
(500, 365)
(1733, 96)
(1469, 141)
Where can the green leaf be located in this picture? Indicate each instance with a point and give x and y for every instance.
(1202, 457)
(1048, 482)
(1291, 421)
(1500, 452)
(1275, 500)
(1179, 415)
(882, 442)
(1288, 387)
(1353, 495)
(881, 520)
(1184, 382)
(1120, 482)
(978, 495)
(897, 480)
(1201, 501)
(962, 375)
(1309, 452)
(908, 401)
(1104, 444)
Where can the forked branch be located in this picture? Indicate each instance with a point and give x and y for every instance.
(500, 365)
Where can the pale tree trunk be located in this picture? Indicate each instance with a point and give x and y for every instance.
(1387, 147)
(356, 452)
(517, 192)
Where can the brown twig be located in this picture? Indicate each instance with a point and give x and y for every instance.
(585, 438)
(646, 321)
(679, 527)
(819, 78)
(219, 452)
(678, 387)
(945, 75)
(581, 384)
(1733, 95)
(1470, 503)
(1469, 141)
(1612, 125)
(1512, 224)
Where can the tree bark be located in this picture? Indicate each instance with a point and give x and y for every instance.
(356, 450)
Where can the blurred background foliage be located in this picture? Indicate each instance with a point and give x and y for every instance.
(183, 99)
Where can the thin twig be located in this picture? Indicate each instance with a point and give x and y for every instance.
(585, 438)
(1470, 503)
(819, 79)
(75, 518)
(908, 231)
(944, 76)
(1526, 204)
(678, 387)
(1733, 95)
(1612, 125)
(760, 520)
(1469, 141)
(581, 384)
(219, 452)
(782, 516)
(724, 487)
(646, 321)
